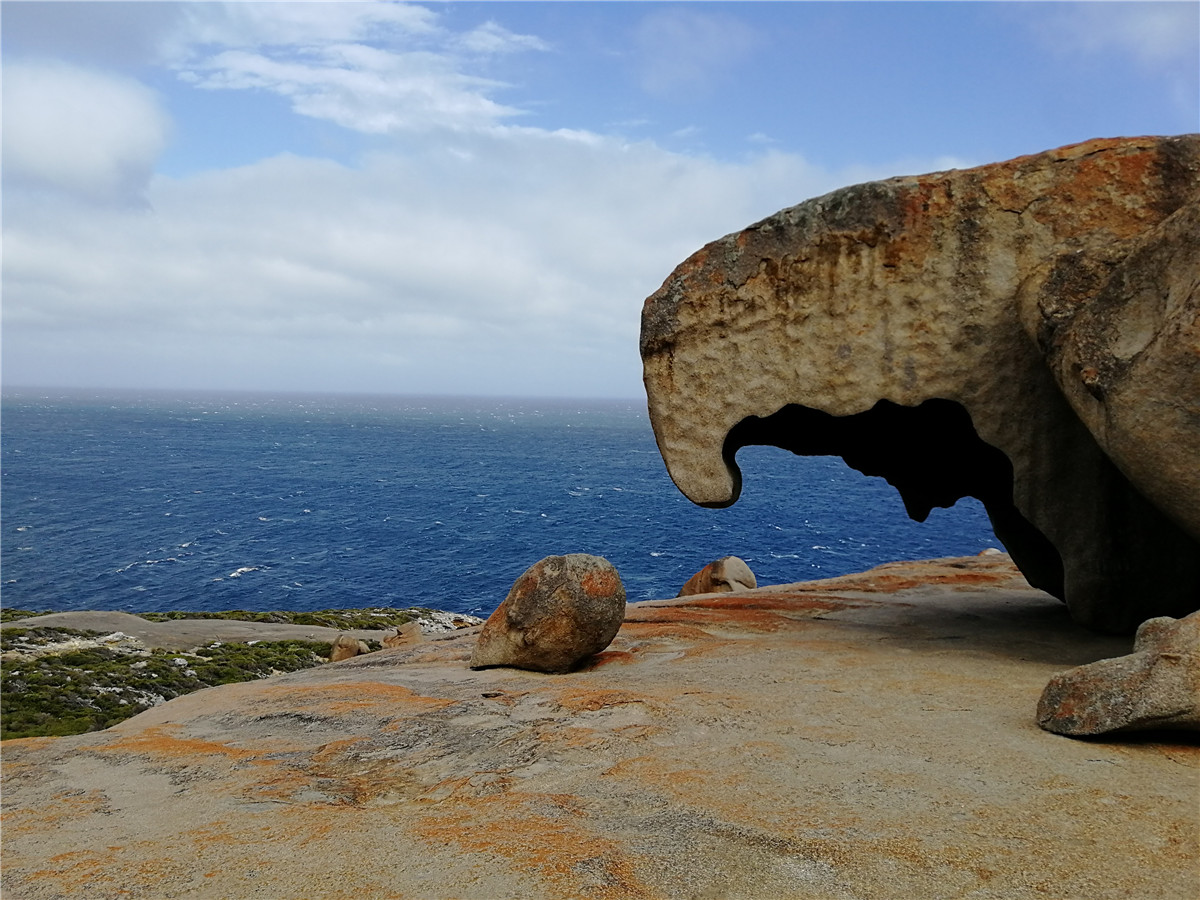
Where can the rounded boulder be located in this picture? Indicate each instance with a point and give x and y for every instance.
(562, 610)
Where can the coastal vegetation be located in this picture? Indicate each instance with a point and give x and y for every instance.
(372, 617)
(60, 681)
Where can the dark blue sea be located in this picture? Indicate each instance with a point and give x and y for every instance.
(149, 502)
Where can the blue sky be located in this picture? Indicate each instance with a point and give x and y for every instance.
(475, 198)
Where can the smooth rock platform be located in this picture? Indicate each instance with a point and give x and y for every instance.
(871, 736)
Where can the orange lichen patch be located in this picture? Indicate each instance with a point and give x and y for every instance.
(888, 583)
(577, 700)
(1093, 177)
(540, 834)
(159, 742)
(781, 602)
(76, 870)
(601, 583)
(662, 622)
(334, 749)
(355, 696)
(653, 769)
(572, 737)
(65, 806)
(14, 745)
(80, 873)
(743, 618)
(637, 732)
(608, 658)
(331, 783)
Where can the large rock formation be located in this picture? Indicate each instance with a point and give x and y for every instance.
(1025, 333)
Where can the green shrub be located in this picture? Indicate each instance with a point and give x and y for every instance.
(89, 689)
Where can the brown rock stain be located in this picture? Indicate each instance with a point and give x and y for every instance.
(644, 623)
(577, 700)
(608, 658)
(160, 742)
(354, 696)
(540, 834)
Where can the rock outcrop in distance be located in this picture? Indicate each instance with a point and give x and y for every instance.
(1027, 333)
(721, 576)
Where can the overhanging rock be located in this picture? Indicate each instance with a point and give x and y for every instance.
(1024, 332)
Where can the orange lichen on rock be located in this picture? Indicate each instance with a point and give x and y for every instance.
(543, 834)
(577, 700)
(357, 696)
(164, 742)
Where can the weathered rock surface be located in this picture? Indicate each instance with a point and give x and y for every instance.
(729, 573)
(1156, 686)
(345, 646)
(865, 737)
(1023, 332)
(408, 633)
(562, 610)
(1127, 357)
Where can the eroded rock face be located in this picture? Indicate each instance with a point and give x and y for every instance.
(1156, 686)
(347, 646)
(1023, 332)
(408, 633)
(724, 575)
(562, 610)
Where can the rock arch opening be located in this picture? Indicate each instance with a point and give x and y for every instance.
(930, 453)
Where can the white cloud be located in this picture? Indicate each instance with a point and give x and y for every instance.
(1162, 39)
(1155, 34)
(370, 67)
(491, 38)
(90, 133)
(299, 24)
(484, 258)
(682, 50)
(517, 264)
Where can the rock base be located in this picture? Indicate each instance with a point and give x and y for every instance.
(869, 736)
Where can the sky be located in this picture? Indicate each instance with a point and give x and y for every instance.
(475, 198)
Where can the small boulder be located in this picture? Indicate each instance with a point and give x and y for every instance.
(562, 610)
(725, 575)
(345, 646)
(408, 633)
(1156, 686)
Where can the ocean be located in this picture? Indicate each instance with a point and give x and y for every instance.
(154, 502)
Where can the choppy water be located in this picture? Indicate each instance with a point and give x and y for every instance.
(153, 502)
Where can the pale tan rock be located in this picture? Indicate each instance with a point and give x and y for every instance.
(562, 610)
(346, 646)
(408, 633)
(1127, 357)
(1156, 686)
(729, 573)
(897, 324)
